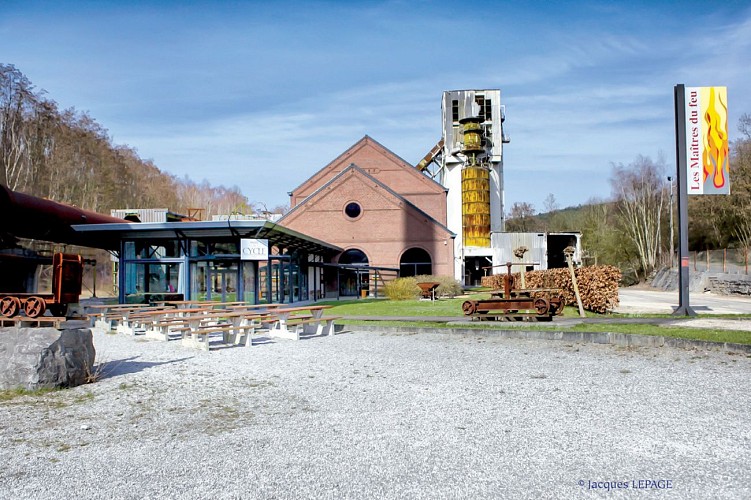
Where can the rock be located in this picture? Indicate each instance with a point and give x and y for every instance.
(666, 279)
(35, 358)
(730, 284)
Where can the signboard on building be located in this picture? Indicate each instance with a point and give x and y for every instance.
(251, 249)
(708, 169)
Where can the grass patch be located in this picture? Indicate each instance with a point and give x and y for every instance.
(84, 398)
(439, 307)
(712, 335)
(379, 307)
(680, 332)
(452, 308)
(10, 394)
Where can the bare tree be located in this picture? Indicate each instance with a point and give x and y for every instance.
(639, 192)
(741, 197)
(16, 102)
(520, 217)
(550, 204)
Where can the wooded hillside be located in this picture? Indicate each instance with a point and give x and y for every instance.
(66, 156)
(631, 229)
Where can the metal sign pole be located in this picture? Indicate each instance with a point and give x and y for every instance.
(684, 309)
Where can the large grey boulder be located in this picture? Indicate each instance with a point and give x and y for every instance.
(666, 279)
(35, 358)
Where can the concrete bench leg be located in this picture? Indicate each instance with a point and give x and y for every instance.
(103, 325)
(281, 331)
(328, 328)
(243, 337)
(230, 337)
(309, 328)
(125, 329)
(157, 334)
(196, 341)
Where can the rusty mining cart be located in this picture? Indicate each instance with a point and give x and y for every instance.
(514, 304)
(66, 288)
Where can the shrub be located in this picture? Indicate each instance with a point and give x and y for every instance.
(402, 289)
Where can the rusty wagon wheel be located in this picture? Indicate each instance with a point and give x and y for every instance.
(542, 306)
(35, 306)
(555, 308)
(10, 306)
(469, 307)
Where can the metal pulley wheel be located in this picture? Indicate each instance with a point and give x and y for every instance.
(35, 306)
(542, 305)
(469, 307)
(10, 306)
(555, 308)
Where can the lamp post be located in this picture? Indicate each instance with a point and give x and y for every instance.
(672, 248)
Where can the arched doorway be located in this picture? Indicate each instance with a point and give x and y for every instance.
(351, 279)
(414, 262)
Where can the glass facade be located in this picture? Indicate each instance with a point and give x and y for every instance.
(207, 270)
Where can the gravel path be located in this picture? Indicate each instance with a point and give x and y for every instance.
(366, 415)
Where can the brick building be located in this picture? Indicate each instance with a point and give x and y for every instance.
(379, 209)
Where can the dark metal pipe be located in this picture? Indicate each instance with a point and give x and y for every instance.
(26, 216)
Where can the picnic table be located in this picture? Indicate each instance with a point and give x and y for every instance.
(290, 322)
(103, 315)
(183, 304)
(236, 328)
(254, 307)
(140, 320)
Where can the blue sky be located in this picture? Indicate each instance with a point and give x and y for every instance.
(263, 94)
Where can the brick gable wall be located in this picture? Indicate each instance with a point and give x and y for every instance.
(389, 169)
(386, 228)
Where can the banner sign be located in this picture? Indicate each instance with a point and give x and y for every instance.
(707, 140)
(254, 249)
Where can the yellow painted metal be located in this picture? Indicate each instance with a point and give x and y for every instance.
(476, 206)
(472, 137)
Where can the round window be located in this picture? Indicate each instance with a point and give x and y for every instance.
(353, 210)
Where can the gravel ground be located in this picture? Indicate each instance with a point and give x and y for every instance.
(365, 415)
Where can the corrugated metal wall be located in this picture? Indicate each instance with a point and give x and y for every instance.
(144, 214)
(505, 243)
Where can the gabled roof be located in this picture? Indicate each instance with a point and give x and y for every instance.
(365, 141)
(370, 178)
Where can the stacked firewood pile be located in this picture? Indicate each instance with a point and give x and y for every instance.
(598, 285)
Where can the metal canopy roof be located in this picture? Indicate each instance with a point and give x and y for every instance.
(109, 235)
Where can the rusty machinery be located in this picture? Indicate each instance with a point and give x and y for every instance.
(513, 304)
(66, 288)
(30, 217)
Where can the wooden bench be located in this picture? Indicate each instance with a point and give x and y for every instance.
(142, 321)
(236, 327)
(161, 328)
(101, 316)
(199, 337)
(136, 322)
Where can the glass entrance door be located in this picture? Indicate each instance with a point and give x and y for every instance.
(216, 280)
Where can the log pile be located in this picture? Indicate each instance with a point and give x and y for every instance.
(598, 285)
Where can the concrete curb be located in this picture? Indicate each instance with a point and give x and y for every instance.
(611, 338)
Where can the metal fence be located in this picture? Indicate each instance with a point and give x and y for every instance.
(727, 260)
